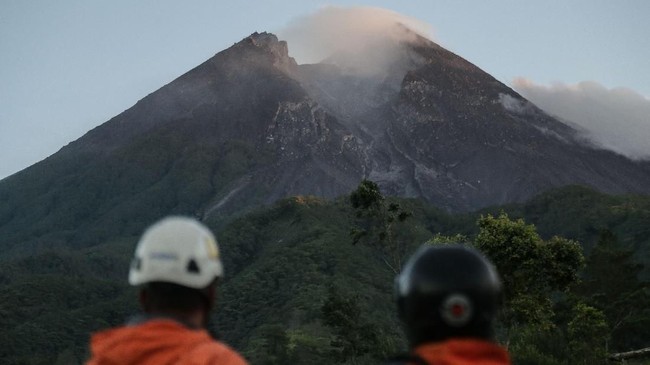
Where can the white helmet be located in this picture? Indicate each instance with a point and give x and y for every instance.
(176, 250)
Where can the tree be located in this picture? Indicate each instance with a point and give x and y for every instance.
(531, 269)
(611, 283)
(588, 334)
(375, 222)
(440, 239)
(275, 346)
(354, 336)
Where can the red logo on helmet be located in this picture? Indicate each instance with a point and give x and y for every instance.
(456, 310)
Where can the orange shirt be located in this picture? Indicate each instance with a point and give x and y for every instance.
(158, 342)
(463, 352)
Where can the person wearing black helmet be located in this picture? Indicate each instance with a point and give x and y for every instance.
(447, 299)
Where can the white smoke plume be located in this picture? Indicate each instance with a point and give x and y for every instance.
(360, 38)
(515, 105)
(617, 119)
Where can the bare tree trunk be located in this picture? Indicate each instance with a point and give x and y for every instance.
(622, 356)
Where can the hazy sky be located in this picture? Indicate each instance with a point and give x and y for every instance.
(67, 66)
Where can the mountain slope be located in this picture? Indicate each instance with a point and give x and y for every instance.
(250, 126)
(452, 134)
(235, 132)
(474, 139)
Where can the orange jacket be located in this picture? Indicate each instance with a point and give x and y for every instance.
(463, 352)
(159, 342)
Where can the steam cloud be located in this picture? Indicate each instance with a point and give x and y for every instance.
(616, 119)
(358, 38)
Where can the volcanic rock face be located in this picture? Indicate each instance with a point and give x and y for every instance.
(250, 126)
(454, 135)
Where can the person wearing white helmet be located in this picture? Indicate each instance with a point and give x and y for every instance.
(176, 266)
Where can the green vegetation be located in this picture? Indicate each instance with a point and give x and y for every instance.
(611, 284)
(117, 195)
(531, 269)
(298, 290)
(379, 224)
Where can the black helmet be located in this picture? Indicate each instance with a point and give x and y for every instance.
(447, 291)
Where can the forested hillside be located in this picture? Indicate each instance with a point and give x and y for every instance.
(297, 290)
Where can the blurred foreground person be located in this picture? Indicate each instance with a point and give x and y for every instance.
(177, 266)
(447, 298)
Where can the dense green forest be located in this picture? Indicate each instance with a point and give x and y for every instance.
(309, 281)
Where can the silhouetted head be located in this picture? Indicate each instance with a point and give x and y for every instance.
(447, 292)
(177, 265)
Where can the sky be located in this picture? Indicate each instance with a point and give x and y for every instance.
(68, 66)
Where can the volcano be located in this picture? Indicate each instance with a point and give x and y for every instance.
(250, 126)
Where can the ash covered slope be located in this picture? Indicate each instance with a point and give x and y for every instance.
(475, 142)
(454, 135)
